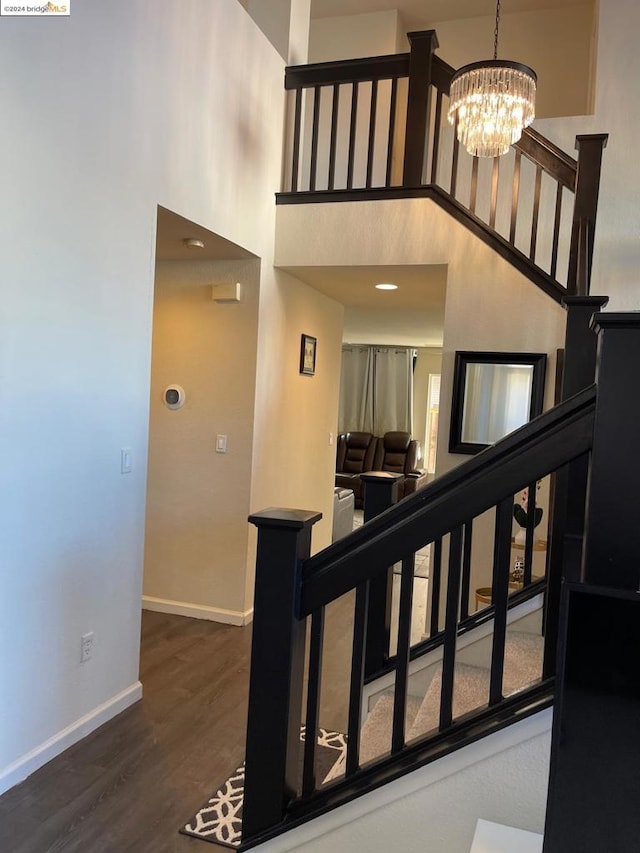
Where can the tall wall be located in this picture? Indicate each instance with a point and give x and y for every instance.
(108, 113)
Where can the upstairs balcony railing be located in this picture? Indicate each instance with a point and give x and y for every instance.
(376, 128)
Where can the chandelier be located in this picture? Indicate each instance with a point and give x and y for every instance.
(492, 102)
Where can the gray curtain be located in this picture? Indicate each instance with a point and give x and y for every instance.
(376, 389)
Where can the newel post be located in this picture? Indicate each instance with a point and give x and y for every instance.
(423, 45)
(590, 148)
(612, 539)
(570, 486)
(277, 664)
(380, 492)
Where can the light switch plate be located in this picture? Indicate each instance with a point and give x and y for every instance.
(221, 444)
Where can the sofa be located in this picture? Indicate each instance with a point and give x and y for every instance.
(359, 452)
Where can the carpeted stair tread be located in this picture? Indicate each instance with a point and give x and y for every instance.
(471, 690)
(522, 667)
(375, 735)
(522, 661)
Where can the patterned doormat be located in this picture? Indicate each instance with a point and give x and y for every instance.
(220, 819)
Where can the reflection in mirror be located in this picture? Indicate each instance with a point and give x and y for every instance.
(493, 394)
(496, 401)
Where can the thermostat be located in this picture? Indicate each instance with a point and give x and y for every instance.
(174, 396)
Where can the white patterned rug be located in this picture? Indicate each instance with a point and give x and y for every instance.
(220, 819)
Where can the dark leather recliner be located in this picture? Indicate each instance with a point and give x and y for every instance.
(356, 452)
(397, 452)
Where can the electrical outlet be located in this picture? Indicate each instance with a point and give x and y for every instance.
(86, 647)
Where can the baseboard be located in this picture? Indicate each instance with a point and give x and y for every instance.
(197, 611)
(32, 761)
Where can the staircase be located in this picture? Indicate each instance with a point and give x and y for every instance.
(522, 669)
(585, 444)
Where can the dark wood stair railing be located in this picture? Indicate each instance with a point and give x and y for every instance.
(291, 588)
(598, 423)
(370, 129)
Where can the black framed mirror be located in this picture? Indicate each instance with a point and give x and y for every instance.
(493, 394)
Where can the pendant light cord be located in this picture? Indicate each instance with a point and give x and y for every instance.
(495, 33)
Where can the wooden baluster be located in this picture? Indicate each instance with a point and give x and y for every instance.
(500, 596)
(556, 232)
(454, 160)
(466, 571)
(372, 131)
(357, 678)
(317, 93)
(473, 192)
(313, 702)
(451, 628)
(435, 578)
(437, 122)
(295, 165)
(495, 177)
(353, 124)
(392, 130)
(515, 196)
(402, 665)
(334, 134)
(536, 214)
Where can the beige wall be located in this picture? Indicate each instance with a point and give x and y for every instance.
(197, 499)
(353, 36)
(556, 43)
(295, 415)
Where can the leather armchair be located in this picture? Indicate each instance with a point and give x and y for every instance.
(398, 452)
(356, 452)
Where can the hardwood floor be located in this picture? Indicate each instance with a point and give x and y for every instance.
(131, 784)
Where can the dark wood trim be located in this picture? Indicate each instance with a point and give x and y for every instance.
(347, 71)
(553, 160)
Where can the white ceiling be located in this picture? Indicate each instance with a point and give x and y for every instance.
(413, 315)
(174, 229)
(417, 13)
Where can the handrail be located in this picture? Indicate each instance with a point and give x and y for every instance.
(545, 443)
(346, 71)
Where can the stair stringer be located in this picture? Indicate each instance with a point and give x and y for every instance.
(502, 777)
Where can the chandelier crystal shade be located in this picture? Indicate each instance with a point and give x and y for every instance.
(491, 102)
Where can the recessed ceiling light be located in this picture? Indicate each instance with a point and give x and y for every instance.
(192, 243)
(386, 286)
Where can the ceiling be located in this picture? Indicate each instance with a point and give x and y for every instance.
(413, 315)
(174, 229)
(418, 13)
